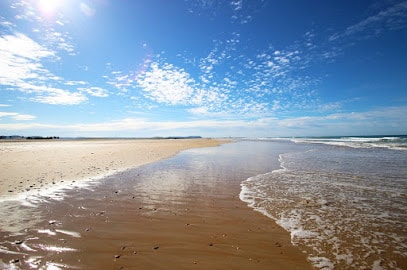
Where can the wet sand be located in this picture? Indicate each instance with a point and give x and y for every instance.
(136, 220)
(31, 165)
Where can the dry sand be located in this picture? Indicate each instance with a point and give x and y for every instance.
(207, 227)
(28, 165)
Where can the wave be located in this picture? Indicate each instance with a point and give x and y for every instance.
(389, 142)
(342, 208)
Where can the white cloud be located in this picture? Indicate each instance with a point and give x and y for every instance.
(3, 114)
(74, 83)
(236, 5)
(167, 84)
(123, 82)
(22, 69)
(394, 17)
(95, 91)
(56, 96)
(17, 116)
(24, 117)
(134, 126)
(263, 84)
(20, 59)
(58, 40)
(6, 24)
(390, 120)
(45, 18)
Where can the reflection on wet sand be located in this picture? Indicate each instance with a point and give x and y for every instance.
(179, 212)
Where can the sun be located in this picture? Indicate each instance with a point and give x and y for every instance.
(49, 7)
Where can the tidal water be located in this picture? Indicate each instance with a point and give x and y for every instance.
(344, 200)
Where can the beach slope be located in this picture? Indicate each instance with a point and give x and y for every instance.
(30, 165)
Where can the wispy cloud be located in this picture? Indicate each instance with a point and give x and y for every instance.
(86, 9)
(22, 69)
(17, 116)
(95, 91)
(57, 96)
(26, 58)
(46, 27)
(390, 119)
(123, 82)
(21, 60)
(365, 123)
(392, 18)
(143, 127)
(237, 11)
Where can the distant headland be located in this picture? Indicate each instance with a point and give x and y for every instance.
(18, 137)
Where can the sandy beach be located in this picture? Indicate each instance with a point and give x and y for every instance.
(30, 165)
(193, 225)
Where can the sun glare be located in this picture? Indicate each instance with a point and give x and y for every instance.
(49, 7)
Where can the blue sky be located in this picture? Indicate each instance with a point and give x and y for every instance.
(211, 68)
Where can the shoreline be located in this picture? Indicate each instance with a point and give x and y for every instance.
(31, 166)
(132, 219)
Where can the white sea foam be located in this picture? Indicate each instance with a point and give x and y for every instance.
(322, 263)
(396, 143)
(341, 207)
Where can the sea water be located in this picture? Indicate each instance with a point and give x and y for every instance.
(343, 200)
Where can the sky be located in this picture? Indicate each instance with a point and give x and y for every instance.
(239, 68)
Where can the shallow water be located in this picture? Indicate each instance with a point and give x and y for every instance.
(346, 207)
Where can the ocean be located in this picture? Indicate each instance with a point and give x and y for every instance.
(343, 200)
